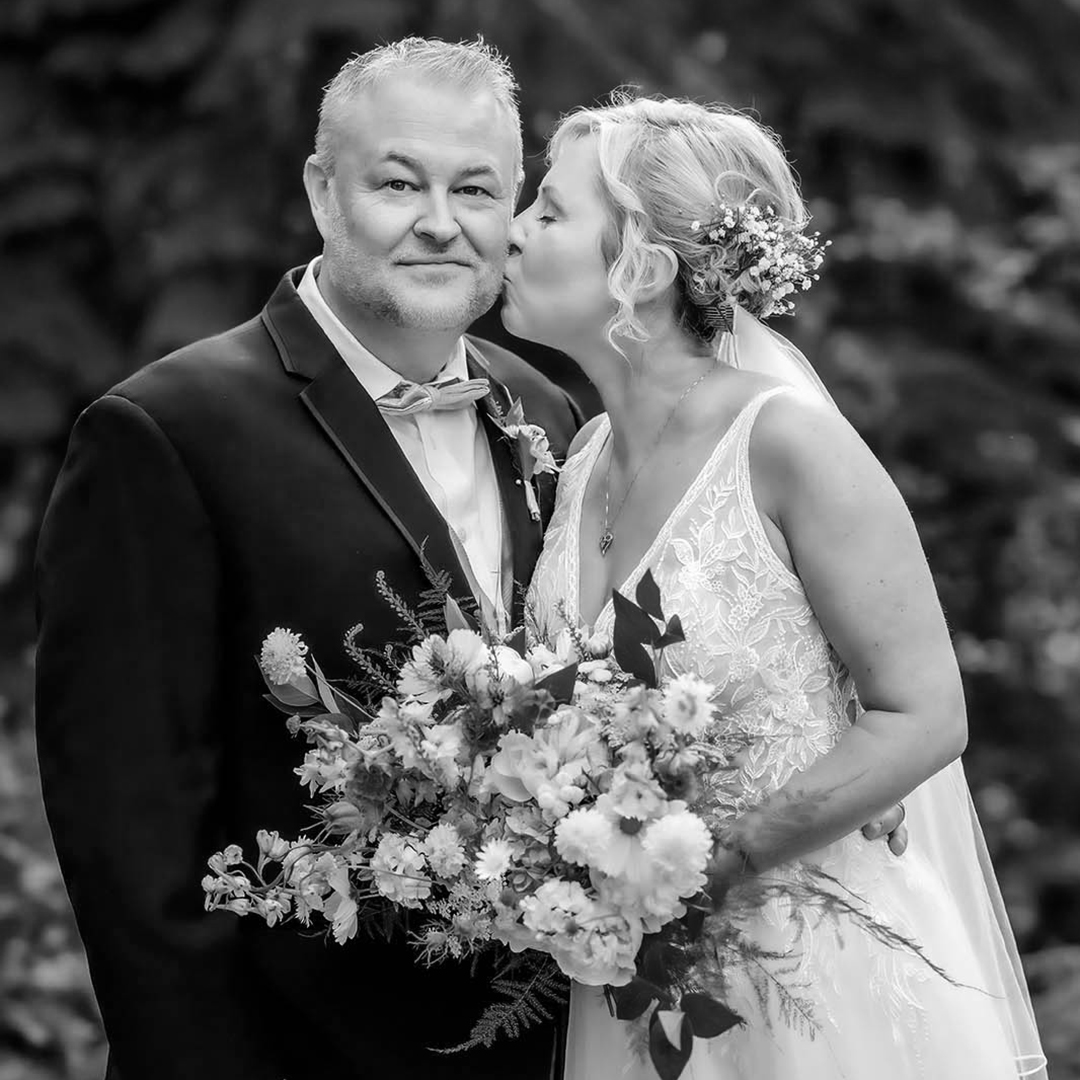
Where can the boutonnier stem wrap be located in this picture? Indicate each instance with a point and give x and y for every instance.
(533, 450)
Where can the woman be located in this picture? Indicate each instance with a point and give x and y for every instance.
(796, 569)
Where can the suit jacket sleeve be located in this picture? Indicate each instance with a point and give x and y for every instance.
(131, 749)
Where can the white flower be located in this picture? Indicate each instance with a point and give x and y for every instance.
(444, 850)
(271, 845)
(437, 663)
(550, 765)
(493, 860)
(590, 941)
(282, 657)
(398, 868)
(505, 671)
(687, 705)
(582, 836)
(679, 845)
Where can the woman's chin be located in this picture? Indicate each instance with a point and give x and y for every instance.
(512, 320)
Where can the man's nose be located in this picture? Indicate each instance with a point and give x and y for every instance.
(437, 220)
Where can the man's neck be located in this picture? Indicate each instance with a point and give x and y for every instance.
(415, 354)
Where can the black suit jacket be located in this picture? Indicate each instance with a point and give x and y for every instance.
(242, 483)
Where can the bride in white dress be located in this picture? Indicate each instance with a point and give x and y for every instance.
(722, 466)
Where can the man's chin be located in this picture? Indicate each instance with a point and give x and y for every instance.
(439, 312)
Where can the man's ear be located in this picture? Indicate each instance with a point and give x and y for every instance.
(663, 269)
(317, 185)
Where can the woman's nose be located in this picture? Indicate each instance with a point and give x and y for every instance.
(517, 234)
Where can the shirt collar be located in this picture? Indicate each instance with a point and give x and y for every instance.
(374, 376)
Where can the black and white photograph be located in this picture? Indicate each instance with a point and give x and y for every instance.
(539, 540)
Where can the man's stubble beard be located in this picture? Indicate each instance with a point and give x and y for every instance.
(362, 281)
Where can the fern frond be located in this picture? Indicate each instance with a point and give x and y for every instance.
(400, 608)
(529, 997)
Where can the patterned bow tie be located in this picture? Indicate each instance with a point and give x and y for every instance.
(408, 397)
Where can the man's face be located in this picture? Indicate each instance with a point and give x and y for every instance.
(415, 215)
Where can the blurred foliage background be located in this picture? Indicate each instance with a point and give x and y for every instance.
(150, 194)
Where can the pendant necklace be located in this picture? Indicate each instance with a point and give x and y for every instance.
(607, 536)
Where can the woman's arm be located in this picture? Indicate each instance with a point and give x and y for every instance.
(855, 548)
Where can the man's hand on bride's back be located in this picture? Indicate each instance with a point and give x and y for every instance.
(890, 826)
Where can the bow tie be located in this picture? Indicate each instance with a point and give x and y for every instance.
(408, 397)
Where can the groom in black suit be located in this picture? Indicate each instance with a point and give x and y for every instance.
(261, 478)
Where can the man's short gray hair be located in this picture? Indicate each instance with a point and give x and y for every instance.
(470, 65)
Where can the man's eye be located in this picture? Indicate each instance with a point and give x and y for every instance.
(474, 190)
(397, 185)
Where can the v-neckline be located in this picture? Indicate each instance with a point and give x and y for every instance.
(593, 449)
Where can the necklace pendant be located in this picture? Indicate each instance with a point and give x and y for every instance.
(606, 541)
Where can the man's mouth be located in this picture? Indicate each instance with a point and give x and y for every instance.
(433, 262)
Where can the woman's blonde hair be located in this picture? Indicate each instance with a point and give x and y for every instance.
(665, 165)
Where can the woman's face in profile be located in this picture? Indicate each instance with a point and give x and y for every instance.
(556, 282)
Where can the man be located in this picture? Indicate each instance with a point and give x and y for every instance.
(260, 478)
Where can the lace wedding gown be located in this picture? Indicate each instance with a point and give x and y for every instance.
(883, 1014)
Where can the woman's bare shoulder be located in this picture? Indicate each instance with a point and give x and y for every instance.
(584, 434)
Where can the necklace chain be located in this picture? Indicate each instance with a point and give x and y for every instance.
(607, 536)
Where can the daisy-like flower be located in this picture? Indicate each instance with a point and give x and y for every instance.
(444, 850)
(687, 705)
(493, 860)
(283, 656)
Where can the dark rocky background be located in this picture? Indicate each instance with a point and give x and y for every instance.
(150, 160)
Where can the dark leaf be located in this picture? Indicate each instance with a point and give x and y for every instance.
(673, 633)
(633, 623)
(517, 641)
(669, 1061)
(634, 998)
(656, 960)
(708, 1016)
(634, 660)
(697, 909)
(560, 684)
(648, 596)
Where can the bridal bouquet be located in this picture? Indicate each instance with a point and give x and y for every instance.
(543, 800)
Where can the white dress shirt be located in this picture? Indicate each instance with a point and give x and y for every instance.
(447, 449)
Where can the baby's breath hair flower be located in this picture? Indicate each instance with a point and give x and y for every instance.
(753, 258)
(283, 656)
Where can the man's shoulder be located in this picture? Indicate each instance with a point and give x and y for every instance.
(210, 367)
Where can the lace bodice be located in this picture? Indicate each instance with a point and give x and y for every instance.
(749, 627)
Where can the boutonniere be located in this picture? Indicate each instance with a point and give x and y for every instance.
(531, 443)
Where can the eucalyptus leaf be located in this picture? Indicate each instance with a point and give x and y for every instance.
(306, 711)
(298, 693)
(326, 691)
(456, 619)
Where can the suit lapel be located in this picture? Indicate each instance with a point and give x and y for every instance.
(355, 427)
(526, 535)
